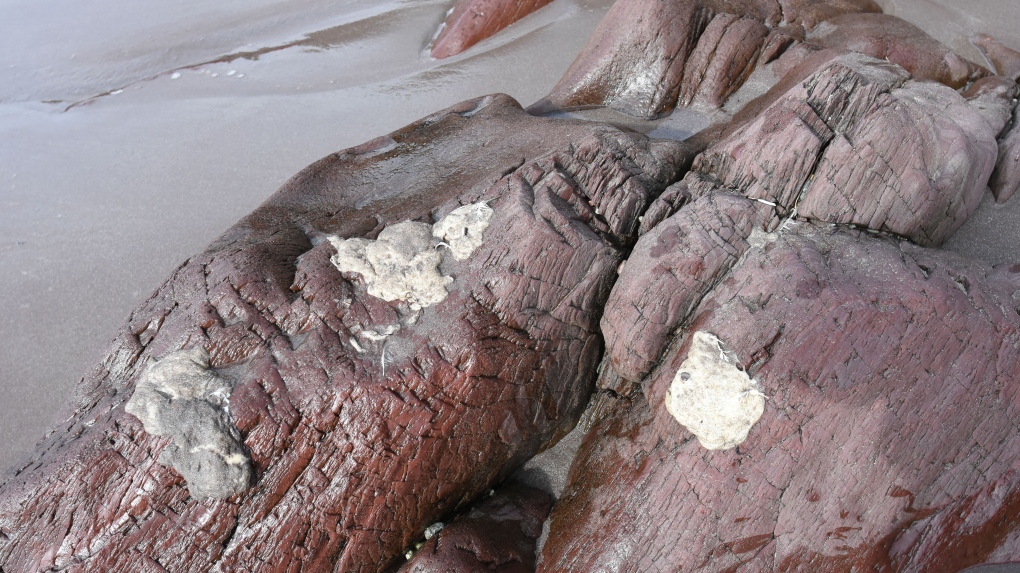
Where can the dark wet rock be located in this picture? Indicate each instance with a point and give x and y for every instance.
(884, 36)
(857, 143)
(365, 418)
(497, 534)
(890, 432)
(1005, 59)
(472, 21)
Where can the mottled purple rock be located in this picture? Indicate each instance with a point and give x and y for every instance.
(1005, 59)
(891, 427)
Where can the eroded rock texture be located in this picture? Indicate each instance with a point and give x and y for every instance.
(365, 419)
(648, 56)
(472, 21)
(498, 534)
(890, 428)
(858, 143)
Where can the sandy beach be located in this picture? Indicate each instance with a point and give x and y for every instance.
(132, 135)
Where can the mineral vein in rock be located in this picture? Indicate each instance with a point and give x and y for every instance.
(181, 397)
(403, 262)
(712, 398)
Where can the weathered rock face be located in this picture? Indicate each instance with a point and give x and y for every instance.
(887, 37)
(472, 21)
(498, 534)
(648, 56)
(857, 143)
(366, 409)
(891, 375)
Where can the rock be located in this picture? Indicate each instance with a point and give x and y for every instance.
(1005, 59)
(889, 437)
(884, 36)
(1006, 177)
(648, 54)
(856, 143)
(497, 534)
(809, 13)
(365, 417)
(994, 97)
(472, 21)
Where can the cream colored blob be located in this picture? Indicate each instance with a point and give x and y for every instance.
(712, 398)
(403, 262)
(462, 229)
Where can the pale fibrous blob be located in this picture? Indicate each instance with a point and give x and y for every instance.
(403, 262)
(182, 397)
(713, 398)
(462, 229)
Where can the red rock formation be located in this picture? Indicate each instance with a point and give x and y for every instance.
(498, 534)
(1005, 59)
(472, 21)
(891, 427)
(363, 418)
(887, 37)
(647, 54)
(856, 143)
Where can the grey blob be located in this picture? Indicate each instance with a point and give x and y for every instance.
(181, 397)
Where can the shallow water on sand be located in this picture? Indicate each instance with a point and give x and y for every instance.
(133, 133)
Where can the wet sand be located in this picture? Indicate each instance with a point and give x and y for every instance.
(131, 136)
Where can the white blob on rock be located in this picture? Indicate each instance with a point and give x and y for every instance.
(712, 398)
(181, 397)
(403, 262)
(462, 229)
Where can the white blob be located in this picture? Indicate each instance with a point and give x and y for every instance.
(181, 397)
(462, 229)
(403, 263)
(712, 398)
(433, 529)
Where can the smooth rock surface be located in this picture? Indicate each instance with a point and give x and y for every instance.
(472, 21)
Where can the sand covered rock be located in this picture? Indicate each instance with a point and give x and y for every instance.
(889, 434)
(857, 143)
(365, 417)
(497, 534)
(472, 21)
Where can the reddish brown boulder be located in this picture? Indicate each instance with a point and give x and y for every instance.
(375, 384)
(472, 21)
(856, 143)
(890, 432)
(884, 36)
(498, 534)
(1005, 59)
(646, 55)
